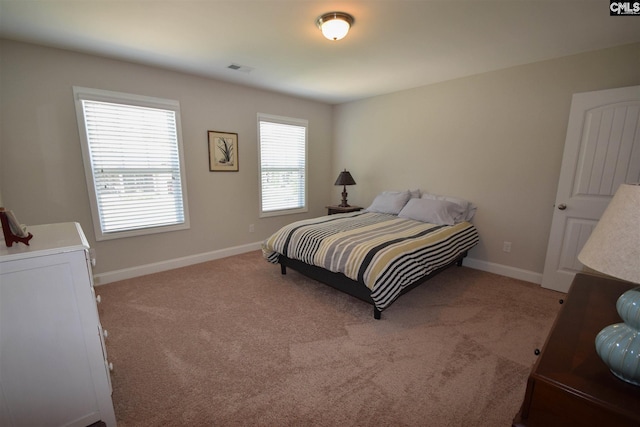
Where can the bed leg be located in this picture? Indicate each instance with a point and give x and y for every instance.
(283, 269)
(376, 313)
(459, 262)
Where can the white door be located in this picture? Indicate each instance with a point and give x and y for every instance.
(602, 151)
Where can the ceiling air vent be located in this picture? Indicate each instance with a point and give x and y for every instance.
(241, 68)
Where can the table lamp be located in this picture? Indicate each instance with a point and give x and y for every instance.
(344, 179)
(614, 249)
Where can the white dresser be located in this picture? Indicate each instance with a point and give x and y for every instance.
(53, 363)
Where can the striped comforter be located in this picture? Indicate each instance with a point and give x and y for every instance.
(385, 252)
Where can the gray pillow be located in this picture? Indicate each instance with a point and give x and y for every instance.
(468, 208)
(433, 211)
(389, 202)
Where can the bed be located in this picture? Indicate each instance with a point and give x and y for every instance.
(382, 252)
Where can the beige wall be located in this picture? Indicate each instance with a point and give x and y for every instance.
(496, 139)
(41, 170)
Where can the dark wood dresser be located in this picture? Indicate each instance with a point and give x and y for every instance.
(569, 384)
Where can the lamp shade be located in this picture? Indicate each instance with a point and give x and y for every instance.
(614, 245)
(345, 178)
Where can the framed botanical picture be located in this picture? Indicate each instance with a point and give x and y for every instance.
(223, 151)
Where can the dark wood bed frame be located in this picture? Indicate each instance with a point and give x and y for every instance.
(352, 287)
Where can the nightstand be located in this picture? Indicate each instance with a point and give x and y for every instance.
(340, 209)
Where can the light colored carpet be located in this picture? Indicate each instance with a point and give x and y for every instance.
(232, 342)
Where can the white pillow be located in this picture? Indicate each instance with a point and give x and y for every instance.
(389, 202)
(471, 211)
(415, 194)
(433, 211)
(468, 208)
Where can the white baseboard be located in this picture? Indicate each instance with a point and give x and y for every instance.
(504, 270)
(128, 273)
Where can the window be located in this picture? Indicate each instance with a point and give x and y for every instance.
(132, 150)
(283, 165)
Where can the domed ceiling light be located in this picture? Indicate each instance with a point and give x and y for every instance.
(335, 25)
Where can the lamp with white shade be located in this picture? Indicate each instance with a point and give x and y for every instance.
(614, 249)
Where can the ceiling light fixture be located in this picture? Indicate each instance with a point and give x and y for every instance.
(335, 25)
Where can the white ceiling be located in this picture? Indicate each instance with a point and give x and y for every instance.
(393, 44)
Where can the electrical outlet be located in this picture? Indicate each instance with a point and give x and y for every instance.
(506, 246)
(252, 228)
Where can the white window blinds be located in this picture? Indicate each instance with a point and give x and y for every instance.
(133, 163)
(283, 165)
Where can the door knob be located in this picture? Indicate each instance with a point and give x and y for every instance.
(562, 206)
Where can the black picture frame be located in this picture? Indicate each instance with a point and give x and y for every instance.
(223, 151)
